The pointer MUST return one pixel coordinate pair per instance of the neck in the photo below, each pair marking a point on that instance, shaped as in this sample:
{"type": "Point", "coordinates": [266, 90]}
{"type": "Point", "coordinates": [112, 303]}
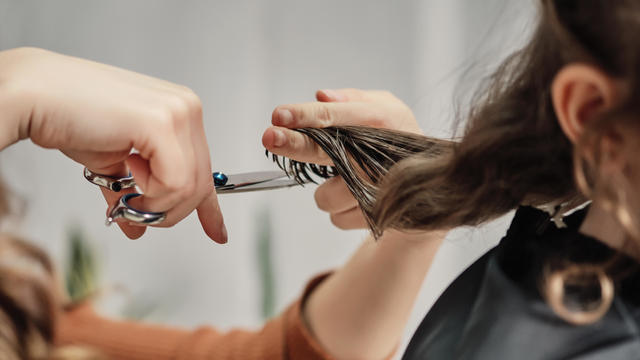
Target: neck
{"type": "Point", "coordinates": [603, 226]}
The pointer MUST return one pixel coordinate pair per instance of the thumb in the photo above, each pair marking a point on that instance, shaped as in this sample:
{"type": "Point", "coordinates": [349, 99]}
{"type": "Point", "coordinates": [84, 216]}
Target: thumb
{"type": "Point", "coordinates": [140, 170]}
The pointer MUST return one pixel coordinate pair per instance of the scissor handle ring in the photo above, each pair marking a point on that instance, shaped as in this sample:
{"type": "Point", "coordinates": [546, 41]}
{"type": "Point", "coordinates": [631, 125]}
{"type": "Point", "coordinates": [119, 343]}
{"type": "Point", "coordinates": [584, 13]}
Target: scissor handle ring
{"type": "Point", "coordinates": [126, 211]}
{"type": "Point", "coordinates": [110, 182]}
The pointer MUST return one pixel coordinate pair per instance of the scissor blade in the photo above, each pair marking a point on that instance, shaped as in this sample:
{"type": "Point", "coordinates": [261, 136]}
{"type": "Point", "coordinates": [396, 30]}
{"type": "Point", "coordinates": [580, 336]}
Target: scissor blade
{"type": "Point", "coordinates": [266, 185]}
{"type": "Point", "coordinates": [256, 177]}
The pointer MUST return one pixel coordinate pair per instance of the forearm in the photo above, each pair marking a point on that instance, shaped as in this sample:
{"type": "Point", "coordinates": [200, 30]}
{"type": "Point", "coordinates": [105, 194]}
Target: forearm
{"type": "Point", "coordinates": [14, 98]}
{"type": "Point", "coordinates": [284, 336]}
{"type": "Point", "coordinates": [360, 311]}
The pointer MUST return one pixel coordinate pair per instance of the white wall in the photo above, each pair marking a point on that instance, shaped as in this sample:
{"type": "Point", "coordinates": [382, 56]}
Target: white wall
{"type": "Point", "coordinates": [243, 58]}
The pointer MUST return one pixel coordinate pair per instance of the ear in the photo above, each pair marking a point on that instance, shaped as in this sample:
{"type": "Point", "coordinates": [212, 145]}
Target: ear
{"type": "Point", "coordinates": [579, 92]}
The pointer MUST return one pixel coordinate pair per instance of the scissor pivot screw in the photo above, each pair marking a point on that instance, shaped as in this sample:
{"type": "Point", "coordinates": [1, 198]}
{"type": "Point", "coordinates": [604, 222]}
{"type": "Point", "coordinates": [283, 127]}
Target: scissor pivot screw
{"type": "Point", "coordinates": [220, 179]}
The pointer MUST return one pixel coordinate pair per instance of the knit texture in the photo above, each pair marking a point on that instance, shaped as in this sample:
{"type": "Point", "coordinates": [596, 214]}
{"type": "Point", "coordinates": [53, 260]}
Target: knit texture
{"type": "Point", "coordinates": [283, 337]}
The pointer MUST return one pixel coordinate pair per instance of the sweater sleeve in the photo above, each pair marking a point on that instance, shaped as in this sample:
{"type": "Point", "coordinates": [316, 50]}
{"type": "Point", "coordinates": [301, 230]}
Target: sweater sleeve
{"type": "Point", "coordinates": [283, 337]}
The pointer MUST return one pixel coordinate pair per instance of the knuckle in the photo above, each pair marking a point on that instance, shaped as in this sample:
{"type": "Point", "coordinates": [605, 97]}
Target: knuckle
{"type": "Point", "coordinates": [162, 121]}
{"type": "Point", "coordinates": [178, 105]}
{"type": "Point", "coordinates": [177, 110]}
{"type": "Point", "coordinates": [193, 102]}
{"type": "Point", "coordinates": [324, 114]}
{"type": "Point", "coordinates": [295, 141]}
{"type": "Point", "coordinates": [174, 187]}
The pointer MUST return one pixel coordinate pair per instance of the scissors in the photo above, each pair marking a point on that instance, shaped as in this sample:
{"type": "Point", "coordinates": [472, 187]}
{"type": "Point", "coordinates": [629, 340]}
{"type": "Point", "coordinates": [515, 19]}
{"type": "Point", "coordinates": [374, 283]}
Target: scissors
{"type": "Point", "coordinates": [224, 184]}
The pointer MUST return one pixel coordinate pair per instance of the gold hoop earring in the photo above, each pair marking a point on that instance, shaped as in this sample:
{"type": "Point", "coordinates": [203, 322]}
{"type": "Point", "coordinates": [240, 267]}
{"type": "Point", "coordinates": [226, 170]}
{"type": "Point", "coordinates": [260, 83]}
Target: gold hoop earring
{"type": "Point", "coordinates": [555, 294]}
{"type": "Point", "coordinates": [613, 193]}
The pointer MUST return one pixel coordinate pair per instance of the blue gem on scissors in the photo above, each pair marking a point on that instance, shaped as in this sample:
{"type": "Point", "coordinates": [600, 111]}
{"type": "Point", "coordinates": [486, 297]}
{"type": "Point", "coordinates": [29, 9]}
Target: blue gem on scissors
{"type": "Point", "coordinates": [220, 179]}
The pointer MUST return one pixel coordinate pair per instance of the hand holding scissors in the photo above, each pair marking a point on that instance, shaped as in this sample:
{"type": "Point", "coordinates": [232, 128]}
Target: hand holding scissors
{"type": "Point", "coordinates": [96, 114]}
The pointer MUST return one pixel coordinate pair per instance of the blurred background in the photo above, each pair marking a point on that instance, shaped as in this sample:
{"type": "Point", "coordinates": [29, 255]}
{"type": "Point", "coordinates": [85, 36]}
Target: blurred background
{"type": "Point", "coordinates": [244, 58]}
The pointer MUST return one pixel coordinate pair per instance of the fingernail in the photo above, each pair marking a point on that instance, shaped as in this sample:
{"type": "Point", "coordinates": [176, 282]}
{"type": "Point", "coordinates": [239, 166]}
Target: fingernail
{"type": "Point", "coordinates": [279, 138]}
{"type": "Point", "coordinates": [285, 117]}
{"type": "Point", "coordinates": [333, 95]}
{"type": "Point", "coordinates": [225, 237]}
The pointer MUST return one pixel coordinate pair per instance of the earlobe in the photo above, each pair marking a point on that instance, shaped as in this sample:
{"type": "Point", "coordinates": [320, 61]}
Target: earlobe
{"type": "Point", "coordinates": [579, 92]}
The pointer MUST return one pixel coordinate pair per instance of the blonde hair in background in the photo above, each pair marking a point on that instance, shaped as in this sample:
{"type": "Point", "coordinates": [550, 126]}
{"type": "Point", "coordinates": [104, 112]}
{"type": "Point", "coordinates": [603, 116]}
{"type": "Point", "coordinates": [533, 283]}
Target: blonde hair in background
{"type": "Point", "coordinates": [30, 305]}
{"type": "Point", "coordinates": [31, 302]}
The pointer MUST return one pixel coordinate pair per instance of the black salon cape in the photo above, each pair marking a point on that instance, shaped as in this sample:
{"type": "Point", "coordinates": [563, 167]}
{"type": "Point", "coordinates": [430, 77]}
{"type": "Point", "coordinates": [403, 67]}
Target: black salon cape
{"type": "Point", "coordinates": [494, 310]}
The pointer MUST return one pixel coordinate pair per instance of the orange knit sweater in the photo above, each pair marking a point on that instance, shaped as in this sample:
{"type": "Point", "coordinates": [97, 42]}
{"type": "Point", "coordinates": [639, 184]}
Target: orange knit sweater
{"type": "Point", "coordinates": [283, 337]}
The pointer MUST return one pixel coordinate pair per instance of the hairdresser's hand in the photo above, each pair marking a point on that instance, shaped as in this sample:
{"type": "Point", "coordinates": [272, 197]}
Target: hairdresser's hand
{"type": "Point", "coordinates": [335, 108]}
{"type": "Point", "coordinates": [96, 114]}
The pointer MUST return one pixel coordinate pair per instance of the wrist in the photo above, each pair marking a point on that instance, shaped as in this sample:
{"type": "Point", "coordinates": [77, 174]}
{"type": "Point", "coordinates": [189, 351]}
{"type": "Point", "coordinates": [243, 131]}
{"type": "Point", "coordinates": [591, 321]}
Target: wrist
{"type": "Point", "coordinates": [408, 253]}
{"type": "Point", "coordinates": [16, 101]}
{"type": "Point", "coordinates": [410, 243]}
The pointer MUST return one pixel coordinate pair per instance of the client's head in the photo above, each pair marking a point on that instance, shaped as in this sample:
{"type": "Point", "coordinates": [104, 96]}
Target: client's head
{"type": "Point", "coordinates": [557, 123]}
{"type": "Point", "coordinates": [565, 104]}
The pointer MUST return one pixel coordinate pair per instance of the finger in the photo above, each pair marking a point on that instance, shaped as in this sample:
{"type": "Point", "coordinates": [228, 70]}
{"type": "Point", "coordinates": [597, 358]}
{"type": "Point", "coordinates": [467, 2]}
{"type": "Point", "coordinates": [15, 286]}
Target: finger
{"type": "Point", "coordinates": [139, 168]}
{"type": "Point", "coordinates": [322, 114]}
{"type": "Point", "coordinates": [141, 171]}
{"type": "Point", "coordinates": [209, 212]}
{"type": "Point", "coordinates": [132, 232]}
{"type": "Point", "coordinates": [349, 220]}
{"type": "Point", "coordinates": [328, 95]}
{"type": "Point", "coordinates": [199, 183]}
{"type": "Point", "coordinates": [333, 196]}
{"type": "Point", "coordinates": [167, 168]}
{"type": "Point", "coordinates": [350, 94]}
{"type": "Point", "coordinates": [169, 174]}
{"type": "Point", "coordinates": [294, 145]}
{"type": "Point", "coordinates": [204, 198]}
{"type": "Point", "coordinates": [101, 162]}
{"type": "Point", "coordinates": [211, 219]}
{"type": "Point", "coordinates": [177, 204]}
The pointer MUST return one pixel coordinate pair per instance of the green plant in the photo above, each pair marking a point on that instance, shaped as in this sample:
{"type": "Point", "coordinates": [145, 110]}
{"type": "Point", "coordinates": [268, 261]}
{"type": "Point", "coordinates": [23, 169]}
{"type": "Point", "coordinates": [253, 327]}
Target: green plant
{"type": "Point", "coordinates": [81, 270]}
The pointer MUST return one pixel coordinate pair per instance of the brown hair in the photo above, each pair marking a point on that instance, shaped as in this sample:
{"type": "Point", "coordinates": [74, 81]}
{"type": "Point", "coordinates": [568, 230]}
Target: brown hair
{"type": "Point", "coordinates": [513, 150]}
{"type": "Point", "coordinates": [363, 157]}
